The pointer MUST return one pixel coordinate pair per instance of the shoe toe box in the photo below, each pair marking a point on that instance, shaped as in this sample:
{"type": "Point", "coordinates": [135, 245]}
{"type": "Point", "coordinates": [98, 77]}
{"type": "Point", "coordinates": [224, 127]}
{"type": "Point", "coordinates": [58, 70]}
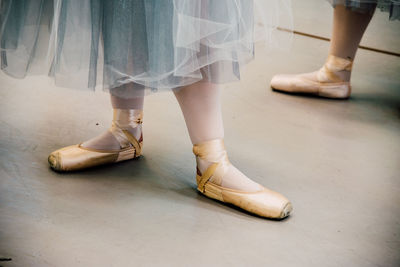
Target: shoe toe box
{"type": "Point", "coordinates": [54, 161]}
{"type": "Point", "coordinates": [265, 203]}
{"type": "Point", "coordinates": [282, 82]}
{"type": "Point", "coordinates": [287, 210]}
{"type": "Point", "coordinates": [63, 159]}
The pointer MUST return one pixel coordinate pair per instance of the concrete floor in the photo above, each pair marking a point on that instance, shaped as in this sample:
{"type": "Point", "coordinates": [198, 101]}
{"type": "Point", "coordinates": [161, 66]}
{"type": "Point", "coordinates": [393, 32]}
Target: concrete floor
{"type": "Point", "coordinates": [338, 161]}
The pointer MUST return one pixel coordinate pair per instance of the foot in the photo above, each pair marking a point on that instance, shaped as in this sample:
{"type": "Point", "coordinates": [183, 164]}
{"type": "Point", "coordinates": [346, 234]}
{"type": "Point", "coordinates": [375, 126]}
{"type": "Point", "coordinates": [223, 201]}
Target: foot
{"type": "Point", "coordinates": [220, 180]}
{"type": "Point", "coordinates": [123, 141]}
{"type": "Point", "coordinates": [332, 80]}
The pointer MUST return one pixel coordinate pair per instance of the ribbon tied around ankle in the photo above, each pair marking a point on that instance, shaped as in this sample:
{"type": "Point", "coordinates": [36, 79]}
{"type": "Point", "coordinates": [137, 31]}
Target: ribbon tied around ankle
{"type": "Point", "coordinates": [328, 73]}
{"type": "Point", "coordinates": [214, 152]}
{"type": "Point", "coordinates": [124, 119]}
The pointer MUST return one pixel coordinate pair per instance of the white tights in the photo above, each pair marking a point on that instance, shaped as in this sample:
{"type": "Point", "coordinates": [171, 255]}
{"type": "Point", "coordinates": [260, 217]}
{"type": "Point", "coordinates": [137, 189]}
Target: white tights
{"type": "Point", "coordinates": [201, 107]}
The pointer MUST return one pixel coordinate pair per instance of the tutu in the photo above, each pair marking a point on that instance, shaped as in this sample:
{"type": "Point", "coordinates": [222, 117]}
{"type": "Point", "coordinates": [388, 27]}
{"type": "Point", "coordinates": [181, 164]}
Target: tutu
{"type": "Point", "coordinates": [391, 6]}
{"type": "Point", "coordinates": [132, 45]}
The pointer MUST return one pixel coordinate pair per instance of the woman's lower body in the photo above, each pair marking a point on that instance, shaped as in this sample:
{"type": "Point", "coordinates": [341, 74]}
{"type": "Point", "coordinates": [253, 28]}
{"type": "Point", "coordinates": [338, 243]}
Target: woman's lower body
{"type": "Point", "coordinates": [350, 20]}
{"type": "Point", "coordinates": [186, 46]}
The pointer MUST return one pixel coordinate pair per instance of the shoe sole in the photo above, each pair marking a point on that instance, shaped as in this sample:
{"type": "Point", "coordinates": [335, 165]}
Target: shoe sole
{"type": "Point", "coordinates": [341, 91]}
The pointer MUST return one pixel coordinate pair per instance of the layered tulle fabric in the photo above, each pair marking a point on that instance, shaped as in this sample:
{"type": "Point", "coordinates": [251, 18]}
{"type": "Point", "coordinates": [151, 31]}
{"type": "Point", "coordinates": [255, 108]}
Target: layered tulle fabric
{"type": "Point", "coordinates": [368, 6]}
{"type": "Point", "coordinates": [129, 45]}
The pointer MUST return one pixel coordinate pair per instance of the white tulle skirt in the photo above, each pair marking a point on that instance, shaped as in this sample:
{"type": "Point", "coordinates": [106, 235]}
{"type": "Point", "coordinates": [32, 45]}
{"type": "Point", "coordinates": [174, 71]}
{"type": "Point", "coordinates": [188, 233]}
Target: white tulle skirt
{"type": "Point", "coordinates": [129, 46]}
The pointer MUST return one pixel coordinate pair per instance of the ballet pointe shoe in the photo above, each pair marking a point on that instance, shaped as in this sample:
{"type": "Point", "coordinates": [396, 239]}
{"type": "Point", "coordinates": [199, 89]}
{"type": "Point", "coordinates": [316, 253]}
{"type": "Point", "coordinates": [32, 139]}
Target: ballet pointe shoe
{"type": "Point", "coordinates": [77, 157]}
{"type": "Point", "coordinates": [328, 84]}
{"type": "Point", "coordinates": [263, 202]}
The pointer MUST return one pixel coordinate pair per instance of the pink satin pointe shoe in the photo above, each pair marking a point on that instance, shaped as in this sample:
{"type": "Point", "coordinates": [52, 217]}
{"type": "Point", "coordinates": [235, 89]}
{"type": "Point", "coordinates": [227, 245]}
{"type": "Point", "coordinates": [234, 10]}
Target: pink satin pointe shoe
{"type": "Point", "coordinates": [263, 202]}
{"type": "Point", "coordinates": [327, 83]}
{"type": "Point", "coordinates": [77, 157]}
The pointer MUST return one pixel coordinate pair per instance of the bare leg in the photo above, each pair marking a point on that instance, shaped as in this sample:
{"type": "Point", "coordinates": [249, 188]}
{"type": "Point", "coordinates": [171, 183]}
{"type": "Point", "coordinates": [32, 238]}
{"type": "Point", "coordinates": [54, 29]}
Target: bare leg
{"type": "Point", "coordinates": [348, 29]}
{"type": "Point", "coordinates": [106, 140]}
{"type": "Point", "coordinates": [201, 108]}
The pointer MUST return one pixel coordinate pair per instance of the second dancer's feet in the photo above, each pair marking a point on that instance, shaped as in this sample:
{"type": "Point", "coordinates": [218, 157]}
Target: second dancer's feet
{"type": "Point", "coordinates": [331, 81]}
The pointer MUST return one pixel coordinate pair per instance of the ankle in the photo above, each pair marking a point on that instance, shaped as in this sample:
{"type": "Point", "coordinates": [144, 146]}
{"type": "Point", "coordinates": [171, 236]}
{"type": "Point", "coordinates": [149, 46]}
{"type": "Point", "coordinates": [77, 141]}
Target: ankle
{"type": "Point", "coordinates": [127, 120]}
{"type": "Point", "coordinates": [335, 69]}
{"type": "Point", "coordinates": [213, 165]}
{"type": "Point", "coordinates": [125, 124]}
{"type": "Point", "coordinates": [212, 162]}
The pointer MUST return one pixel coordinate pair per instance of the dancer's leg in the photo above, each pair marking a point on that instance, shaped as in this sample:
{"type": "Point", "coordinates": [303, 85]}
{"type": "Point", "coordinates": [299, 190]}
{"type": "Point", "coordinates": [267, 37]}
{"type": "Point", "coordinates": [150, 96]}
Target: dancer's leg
{"type": "Point", "coordinates": [348, 29]}
{"type": "Point", "coordinates": [201, 108]}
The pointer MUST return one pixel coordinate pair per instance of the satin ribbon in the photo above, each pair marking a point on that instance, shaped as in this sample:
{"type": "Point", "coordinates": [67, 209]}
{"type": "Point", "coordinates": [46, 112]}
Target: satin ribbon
{"type": "Point", "coordinates": [333, 65]}
{"type": "Point", "coordinates": [124, 119]}
{"type": "Point", "coordinates": [214, 152]}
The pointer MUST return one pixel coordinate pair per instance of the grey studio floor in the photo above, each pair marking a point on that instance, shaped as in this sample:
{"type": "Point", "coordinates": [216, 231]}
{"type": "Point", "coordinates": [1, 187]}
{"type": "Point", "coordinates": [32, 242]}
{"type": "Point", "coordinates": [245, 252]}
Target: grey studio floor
{"type": "Point", "coordinates": [338, 162]}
